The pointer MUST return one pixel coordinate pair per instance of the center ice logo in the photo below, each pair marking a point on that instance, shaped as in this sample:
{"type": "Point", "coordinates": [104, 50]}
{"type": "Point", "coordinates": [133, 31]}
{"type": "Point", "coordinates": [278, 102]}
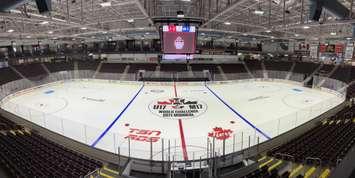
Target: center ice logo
{"type": "Point", "coordinates": [177, 108]}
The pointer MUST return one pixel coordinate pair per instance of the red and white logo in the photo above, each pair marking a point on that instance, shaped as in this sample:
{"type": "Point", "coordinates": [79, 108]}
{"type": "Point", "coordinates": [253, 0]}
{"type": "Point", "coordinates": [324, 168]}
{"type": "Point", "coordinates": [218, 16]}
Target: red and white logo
{"type": "Point", "coordinates": [143, 135]}
{"type": "Point", "coordinates": [179, 43]}
{"type": "Point", "coordinates": [177, 108]}
{"type": "Point", "coordinates": [220, 134]}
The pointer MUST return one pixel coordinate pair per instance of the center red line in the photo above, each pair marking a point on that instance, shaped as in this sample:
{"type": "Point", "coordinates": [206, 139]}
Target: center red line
{"type": "Point", "coordinates": [175, 92]}
{"type": "Point", "coordinates": [182, 135]}
{"type": "Point", "coordinates": [183, 143]}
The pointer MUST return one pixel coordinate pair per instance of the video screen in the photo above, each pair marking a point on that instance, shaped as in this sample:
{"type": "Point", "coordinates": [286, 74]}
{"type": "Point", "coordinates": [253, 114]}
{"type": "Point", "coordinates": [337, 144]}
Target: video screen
{"type": "Point", "coordinates": [179, 39]}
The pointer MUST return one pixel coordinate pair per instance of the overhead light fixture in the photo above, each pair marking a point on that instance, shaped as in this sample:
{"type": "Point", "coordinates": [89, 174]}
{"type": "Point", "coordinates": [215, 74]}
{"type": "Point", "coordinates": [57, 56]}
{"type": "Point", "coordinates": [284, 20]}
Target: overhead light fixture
{"type": "Point", "coordinates": [50, 32]}
{"type": "Point", "coordinates": [104, 32]}
{"type": "Point", "coordinates": [140, 28]}
{"type": "Point", "coordinates": [44, 23]}
{"type": "Point", "coordinates": [348, 38]}
{"type": "Point", "coordinates": [227, 23]}
{"type": "Point", "coordinates": [83, 28]}
{"type": "Point", "coordinates": [147, 33]}
{"type": "Point", "coordinates": [272, 37]}
{"type": "Point", "coordinates": [28, 36]}
{"type": "Point", "coordinates": [130, 20]}
{"type": "Point", "coordinates": [11, 30]}
{"type": "Point", "coordinates": [333, 33]}
{"type": "Point", "coordinates": [203, 34]}
{"type": "Point", "coordinates": [258, 12]}
{"type": "Point", "coordinates": [105, 4]}
{"type": "Point", "coordinates": [296, 35]}
{"type": "Point", "coordinates": [306, 27]}
{"type": "Point", "coordinates": [244, 34]}
{"type": "Point", "coordinates": [268, 31]}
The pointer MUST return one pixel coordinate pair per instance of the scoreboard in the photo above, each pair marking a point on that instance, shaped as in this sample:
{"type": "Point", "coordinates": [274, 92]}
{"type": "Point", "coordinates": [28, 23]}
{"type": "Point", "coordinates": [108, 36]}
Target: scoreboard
{"type": "Point", "coordinates": [178, 39]}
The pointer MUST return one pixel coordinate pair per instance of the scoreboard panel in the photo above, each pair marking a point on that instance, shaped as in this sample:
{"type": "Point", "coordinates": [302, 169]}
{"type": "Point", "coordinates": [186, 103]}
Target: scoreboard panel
{"type": "Point", "coordinates": [179, 39]}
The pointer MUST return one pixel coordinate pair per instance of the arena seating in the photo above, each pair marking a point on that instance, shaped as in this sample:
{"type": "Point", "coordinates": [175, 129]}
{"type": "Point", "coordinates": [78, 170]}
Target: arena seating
{"type": "Point", "coordinates": [305, 67]}
{"type": "Point", "coordinates": [33, 70]}
{"type": "Point", "coordinates": [7, 75]}
{"type": "Point", "coordinates": [59, 66]}
{"type": "Point", "coordinates": [200, 67]}
{"type": "Point", "coordinates": [113, 67]}
{"type": "Point", "coordinates": [88, 65]}
{"type": "Point", "coordinates": [278, 65]}
{"type": "Point", "coordinates": [262, 173]}
{"type": "Point", "coordinates": [329, 141]}
{"type": "Point", "coordinates": [253, 64]}
{"type": "Point", "coordinates": [233, 68]}
{"type": "Point", "coordinates": [268, 167]}
{"type": "Point", "coordinates": [326, 69]}
{"type": "Point", "coordinates": [343, 73]}
{"type": "Point", "coordinates": [26, 154]}
{"type": "Point", "coordinates": [6, 124]}
{"type": "Point", "coordinates": [351, 91]}
{"type": "Point", "coordinates": [173, 67]}
{"type": "Point", "coordinates": [134, 67]}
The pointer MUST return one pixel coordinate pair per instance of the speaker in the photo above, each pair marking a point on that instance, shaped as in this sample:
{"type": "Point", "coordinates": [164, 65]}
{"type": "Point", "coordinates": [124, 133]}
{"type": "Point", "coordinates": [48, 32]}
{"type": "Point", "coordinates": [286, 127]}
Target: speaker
{"type": "Point", "coordinates": [44, 5]}
{"type": "Point", "coordinates": [316, 8]}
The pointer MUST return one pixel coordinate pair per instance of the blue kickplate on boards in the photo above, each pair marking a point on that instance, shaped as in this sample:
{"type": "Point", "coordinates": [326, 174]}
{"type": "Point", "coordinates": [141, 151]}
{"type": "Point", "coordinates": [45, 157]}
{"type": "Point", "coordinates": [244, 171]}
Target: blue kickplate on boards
{"type": "Point", "coordinates": [49, 92]}
{"type": "Point", "coordinates": [298, 90]}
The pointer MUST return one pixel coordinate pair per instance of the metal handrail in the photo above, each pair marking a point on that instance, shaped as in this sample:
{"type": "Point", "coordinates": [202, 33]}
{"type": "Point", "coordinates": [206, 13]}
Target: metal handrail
{"type": "Point", "coordinates": [92, 173]}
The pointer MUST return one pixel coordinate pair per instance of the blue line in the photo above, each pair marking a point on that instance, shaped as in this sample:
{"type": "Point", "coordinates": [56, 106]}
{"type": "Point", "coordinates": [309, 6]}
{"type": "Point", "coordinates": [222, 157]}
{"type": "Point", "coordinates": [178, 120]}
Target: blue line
{"type": "Point", "coordinates": [244, 119]}
{"type": "Point", "coordinates": [116, 119]}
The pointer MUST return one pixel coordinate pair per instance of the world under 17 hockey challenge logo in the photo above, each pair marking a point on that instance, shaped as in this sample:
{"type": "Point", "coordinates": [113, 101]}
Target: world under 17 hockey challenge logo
{"type": "Point", "coordinates": [177, 108]}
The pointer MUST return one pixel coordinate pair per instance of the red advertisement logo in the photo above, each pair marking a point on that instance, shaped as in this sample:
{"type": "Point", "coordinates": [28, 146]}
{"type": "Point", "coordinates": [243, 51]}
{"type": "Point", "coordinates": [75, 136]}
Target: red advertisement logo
{"type": "Point", "coordinates": [220, 134]}
{"type": "Point", "coordinates": [143, 135]}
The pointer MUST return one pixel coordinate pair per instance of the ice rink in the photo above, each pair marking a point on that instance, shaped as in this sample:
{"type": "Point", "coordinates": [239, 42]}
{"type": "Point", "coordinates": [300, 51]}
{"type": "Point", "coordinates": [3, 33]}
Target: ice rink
{"type": "Point", "coordinates": [175, 120]}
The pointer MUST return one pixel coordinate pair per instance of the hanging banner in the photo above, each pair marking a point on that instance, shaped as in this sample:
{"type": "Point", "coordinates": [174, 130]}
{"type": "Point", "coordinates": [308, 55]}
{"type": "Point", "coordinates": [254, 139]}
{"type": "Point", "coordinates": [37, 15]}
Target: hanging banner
{"type": "Point", "coordinates": [349, 51]}
{"type": "Point", "coordinates": [322, 48]}
{"type": "Point", "coordinates": [314, 51]}
{"type": "Point", "coordinates": [339, 48]}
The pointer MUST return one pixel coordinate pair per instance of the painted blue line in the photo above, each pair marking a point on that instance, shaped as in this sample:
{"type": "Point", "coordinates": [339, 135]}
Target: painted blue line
{"type": "Point", "coordinates": [116, 119]}
{"type": "Point", "coordinates": [235, 112]}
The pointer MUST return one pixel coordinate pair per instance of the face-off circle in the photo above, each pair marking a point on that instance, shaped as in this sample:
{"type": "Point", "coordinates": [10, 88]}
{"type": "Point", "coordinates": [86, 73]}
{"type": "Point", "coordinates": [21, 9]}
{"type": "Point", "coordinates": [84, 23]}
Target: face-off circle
{"type": "Point", "coordinates": [177, 108]}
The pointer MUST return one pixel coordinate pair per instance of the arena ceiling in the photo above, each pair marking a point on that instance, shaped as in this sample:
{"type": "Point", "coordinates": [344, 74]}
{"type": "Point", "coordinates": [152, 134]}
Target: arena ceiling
{"type": "Point", "coordinates": [94, 20]}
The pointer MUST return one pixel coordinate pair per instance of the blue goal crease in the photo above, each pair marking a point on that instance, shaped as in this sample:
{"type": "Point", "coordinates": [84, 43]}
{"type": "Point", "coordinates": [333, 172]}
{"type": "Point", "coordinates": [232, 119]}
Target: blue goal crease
{"type": "Point", "coordinates": [116, 119]}
{"type": "Point", "coordinates": [235, 112]}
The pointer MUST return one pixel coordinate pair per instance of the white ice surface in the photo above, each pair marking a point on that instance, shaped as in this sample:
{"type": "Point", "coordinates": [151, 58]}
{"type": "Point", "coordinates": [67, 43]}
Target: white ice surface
{"type": "Point", "coordinates": [82, 110]}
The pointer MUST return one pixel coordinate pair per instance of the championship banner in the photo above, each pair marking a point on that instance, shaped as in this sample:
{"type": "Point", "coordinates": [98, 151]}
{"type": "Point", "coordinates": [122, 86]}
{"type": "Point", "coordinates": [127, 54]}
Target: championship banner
{"type": "Point", "coordinates": [339, 48]}
{"type": "Point", "coordinates": [314, 51]}
{"type": "Point", "coordinates": [349, 51]}
{"type": "Point", "coordinates": [322, 48]}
